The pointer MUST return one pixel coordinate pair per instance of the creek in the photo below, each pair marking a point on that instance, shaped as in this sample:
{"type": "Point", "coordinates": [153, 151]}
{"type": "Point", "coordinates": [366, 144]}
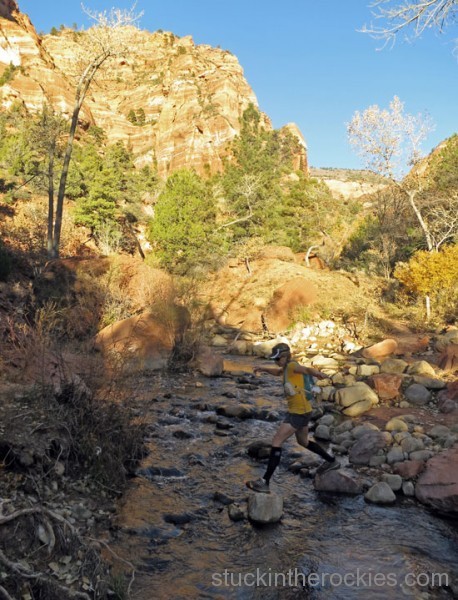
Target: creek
{"type": "Point", "coordinates": [174, 527]}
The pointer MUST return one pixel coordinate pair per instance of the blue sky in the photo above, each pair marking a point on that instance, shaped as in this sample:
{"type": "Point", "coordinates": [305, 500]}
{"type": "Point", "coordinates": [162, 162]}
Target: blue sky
{"type": "Point", "coordinates": [304, 59]}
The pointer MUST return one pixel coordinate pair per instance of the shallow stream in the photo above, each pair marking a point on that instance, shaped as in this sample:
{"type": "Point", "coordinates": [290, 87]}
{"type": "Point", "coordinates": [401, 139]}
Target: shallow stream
{"type": "Point", "coordinates": [175, 529]}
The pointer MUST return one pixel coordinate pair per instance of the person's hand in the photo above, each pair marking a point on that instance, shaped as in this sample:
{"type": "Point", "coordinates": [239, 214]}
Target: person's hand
{"type": "Point", "coordinates": [319, 375]}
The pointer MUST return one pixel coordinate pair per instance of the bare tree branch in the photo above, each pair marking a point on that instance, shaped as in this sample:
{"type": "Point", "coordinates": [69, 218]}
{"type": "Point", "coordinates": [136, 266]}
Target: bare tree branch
{"type": "Point", "coordinates": [418, 15]}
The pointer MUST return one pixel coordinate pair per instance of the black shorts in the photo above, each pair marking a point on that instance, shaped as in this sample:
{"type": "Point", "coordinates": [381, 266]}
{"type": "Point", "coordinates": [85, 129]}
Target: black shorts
{"type": "Point", "coordinates": [298, 421]}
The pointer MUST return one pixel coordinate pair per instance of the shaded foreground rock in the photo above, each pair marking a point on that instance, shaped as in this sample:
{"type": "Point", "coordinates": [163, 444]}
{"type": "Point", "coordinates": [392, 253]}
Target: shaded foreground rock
{"type": "Point", "coordinates": [438, 485]}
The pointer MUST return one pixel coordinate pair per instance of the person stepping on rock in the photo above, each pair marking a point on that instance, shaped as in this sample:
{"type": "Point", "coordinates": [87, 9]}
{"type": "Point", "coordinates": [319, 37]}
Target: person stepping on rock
{"type": "Point", "coordinates": [299, 413]}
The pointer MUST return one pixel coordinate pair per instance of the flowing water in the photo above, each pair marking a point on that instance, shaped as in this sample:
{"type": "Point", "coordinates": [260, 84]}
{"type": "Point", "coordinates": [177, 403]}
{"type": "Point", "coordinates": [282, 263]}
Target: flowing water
{"type": "Point", "coordinates": [175, 529]}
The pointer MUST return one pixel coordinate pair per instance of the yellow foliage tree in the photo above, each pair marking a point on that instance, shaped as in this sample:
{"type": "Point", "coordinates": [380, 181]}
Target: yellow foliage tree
{"type": "Point", "coordinates": [432, 274]}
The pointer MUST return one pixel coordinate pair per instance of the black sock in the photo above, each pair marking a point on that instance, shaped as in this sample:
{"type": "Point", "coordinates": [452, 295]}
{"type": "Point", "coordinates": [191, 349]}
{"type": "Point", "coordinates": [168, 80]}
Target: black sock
{"type": "Point", "coordinates": [317, 449]}
{"type": "Point", "coordinates": [274, 460]}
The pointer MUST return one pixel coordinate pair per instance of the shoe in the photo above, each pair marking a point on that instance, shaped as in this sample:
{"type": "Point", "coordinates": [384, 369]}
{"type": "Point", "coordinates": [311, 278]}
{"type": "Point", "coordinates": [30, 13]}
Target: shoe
{"type": "Point", "coordinates": [258, 485]}
{"type": "Point", "coordinates": [328, 466]}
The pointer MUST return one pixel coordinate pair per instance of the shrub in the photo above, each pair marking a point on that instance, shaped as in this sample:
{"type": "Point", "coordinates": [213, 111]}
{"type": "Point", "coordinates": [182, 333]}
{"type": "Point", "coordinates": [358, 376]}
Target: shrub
{"type": "Point", "coordinates": [433, 274]}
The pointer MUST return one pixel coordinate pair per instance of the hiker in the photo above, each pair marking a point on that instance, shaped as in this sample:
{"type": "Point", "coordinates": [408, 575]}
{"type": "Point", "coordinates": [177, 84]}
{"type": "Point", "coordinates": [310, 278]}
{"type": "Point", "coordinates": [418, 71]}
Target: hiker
{"type": "Point", "coordinates": [298, 416]}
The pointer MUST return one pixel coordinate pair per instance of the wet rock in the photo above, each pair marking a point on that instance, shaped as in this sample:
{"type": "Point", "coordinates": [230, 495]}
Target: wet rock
{"type": "Point", "coordinates": [380, 493]}
{"type": "Point", "coordinates": [222, 498]}
{"type": "Point", "coordinates": [237, 411]}
{"type": "Point", "coordinates": [338, 482]}
{"type": "Point", "coordinates": [265, 508]}
{"type": "Point", "coordinates": [437, 486]}
{"type": "Point", "coordinates": [160, 472]}
{"type": "Point", "coordinates": [178, 519]}
{"type": "Point", "coordinates": [259, 449]}
{"type": "Point", "coordinates": [236, 512]}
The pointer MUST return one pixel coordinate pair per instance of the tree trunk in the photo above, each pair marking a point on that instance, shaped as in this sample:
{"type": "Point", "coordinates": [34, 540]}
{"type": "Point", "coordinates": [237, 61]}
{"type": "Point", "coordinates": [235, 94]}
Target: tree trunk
{"type": "Point", "coordinates": [81, 90]}
{"type": "Point", "coordinates": [50, 202]}
{"type": "Point", "coordinates": [428, 308]}
{"type": "Point", "coordinates": [429, 242]}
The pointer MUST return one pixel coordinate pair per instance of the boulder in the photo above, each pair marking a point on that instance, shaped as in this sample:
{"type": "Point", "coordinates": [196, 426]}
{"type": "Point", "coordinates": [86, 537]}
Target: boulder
{"type": "Point", "coordinates": [358, 408]}
{"type": "Point", "coordinates": [393, 365]}
{"type": "Point", "coordinates": [337, 482]}
{"type": "Point", "coordinates": [421, 367]}
{"type": "Point", "coordinates": [386, 385]}
{"type": "Point", "coordinates": [208, 362]}
{"type": "Point", "coordinates": [417, 394]}
{"type": "Point", "coordinates": [367, 446]}
{"type": "Point", "coordinates": [381, 349]}
{"type": "Point", "coordinates": [265, 508]}
{"type": "Point", "coordinates": [140, 342]}
{"type": "Point", "coordinates": [437, 486]}
{"type": "Point", "coordinates": [355, 393]}
{"type": "Point", "coordinates": [380, 493]}
{"type": "Point", "coordinates": [286, 300]}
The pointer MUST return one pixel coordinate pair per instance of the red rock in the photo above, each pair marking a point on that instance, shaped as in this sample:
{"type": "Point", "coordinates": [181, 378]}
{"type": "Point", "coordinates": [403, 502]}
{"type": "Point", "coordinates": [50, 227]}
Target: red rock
{"type": "Point", "coordinates": [386, 385]}
{"type": "Point", "coordinates": [438, 485]}
{"type": "Point", "coordinates": [409, 468]}
{"type": "Point", "coordinates": [448, 360]}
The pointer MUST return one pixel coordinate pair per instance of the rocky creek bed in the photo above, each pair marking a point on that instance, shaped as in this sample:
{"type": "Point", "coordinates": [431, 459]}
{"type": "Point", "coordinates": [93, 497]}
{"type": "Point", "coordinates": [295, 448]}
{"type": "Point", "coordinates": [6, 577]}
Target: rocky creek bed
{"type": "Point", "coordinates": [191, 529]}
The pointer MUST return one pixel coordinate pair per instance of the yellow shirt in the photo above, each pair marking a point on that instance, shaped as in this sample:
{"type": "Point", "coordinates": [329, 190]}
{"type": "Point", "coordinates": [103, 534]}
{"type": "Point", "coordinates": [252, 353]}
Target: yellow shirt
{"type": "Point", "coordinates": [297, 404]}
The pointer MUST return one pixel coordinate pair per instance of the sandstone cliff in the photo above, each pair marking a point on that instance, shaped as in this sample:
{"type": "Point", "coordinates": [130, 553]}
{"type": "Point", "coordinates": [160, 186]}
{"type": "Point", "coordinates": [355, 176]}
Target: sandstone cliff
{"type": "Point", "coordinates": [188, 98]}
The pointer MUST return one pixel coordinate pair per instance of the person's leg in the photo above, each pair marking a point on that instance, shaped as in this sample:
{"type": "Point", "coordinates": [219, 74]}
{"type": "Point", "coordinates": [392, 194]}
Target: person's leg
{"type": "Point", "coordinates": [302, 438]}
{"type": "Point", "coordinates": [283, 433]}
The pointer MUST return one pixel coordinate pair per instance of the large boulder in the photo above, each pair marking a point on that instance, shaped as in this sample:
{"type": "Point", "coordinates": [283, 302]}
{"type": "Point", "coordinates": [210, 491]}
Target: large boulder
{"type": "Point", "coordinates": [294, 294]}
{"type": "Point", "coordinates": [208, 362]}
{"type": "Point", "coordinates": [360, 395]}
{"type": "Point", "coordinates": [143, 341]}
{"type": "Point", "coordinates": [437, 486]}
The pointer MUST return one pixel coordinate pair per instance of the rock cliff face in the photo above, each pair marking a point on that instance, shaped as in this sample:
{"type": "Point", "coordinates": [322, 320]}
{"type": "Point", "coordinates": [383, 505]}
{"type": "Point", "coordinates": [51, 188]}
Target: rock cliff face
{"type": "Point", "coordinates": [176, 104]}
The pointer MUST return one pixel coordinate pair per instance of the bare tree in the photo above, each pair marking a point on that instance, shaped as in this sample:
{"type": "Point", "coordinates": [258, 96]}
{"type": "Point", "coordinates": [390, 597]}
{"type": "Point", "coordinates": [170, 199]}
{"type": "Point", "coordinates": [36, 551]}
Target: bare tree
{"type": "Point", "coordinates": [389, 142]}
{"type": "Point", "coordinates": [107, 39]}
{"type": "Point", "coordinates": [396, 16]}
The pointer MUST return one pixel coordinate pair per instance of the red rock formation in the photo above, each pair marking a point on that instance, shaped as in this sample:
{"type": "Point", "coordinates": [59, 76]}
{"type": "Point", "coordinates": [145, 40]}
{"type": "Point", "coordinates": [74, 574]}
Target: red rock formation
{"type": "Point", "coordinates": [190, 97]}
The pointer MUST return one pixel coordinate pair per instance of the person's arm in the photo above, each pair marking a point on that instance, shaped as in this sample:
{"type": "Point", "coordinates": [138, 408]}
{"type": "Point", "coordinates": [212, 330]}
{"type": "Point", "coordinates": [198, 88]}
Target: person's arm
{"type": "Point", "coordinates": [271, 370]}
{"type": "Point", "coordinates": [309, 371]}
